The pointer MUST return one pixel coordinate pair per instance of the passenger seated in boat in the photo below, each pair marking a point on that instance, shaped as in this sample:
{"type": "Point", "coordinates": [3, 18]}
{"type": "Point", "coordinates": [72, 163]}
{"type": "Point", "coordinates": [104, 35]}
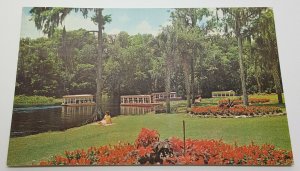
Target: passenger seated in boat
{"type": "Point", "coordinates": [107, 119]}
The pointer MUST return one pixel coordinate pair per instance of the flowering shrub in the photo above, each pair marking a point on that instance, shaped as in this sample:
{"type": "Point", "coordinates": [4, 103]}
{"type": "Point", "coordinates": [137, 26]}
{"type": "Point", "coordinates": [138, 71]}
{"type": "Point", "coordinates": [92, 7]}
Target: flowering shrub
{"type": "Point", "coordinates": [147, 137]}
{"type": "Point", "coordinates": [211, 152]}
{"type": "Point", "coordinates": [236, 110]}
{"type": "Point", "coordinates": [171, 152]}
{"type": "Point", "coordinates": [240, 101]}
{"type": "Point", "coordinates": [121, 154]}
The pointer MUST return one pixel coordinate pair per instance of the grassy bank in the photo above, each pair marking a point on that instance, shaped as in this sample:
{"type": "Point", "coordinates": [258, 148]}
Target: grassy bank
{"type": "Point", "coordinates": [273, 130]}
{"type": "Point", "coordinates": [23, 101]}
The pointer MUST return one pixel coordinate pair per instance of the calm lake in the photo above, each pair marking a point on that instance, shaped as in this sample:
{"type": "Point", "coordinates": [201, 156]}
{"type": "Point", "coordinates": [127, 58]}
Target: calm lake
{"type": "Point", "coordinates": [38, 119]}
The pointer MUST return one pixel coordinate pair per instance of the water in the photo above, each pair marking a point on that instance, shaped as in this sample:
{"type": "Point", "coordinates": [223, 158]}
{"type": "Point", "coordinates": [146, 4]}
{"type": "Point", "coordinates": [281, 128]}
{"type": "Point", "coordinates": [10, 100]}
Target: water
{"type": "Point", "coordinates": [38, 119]}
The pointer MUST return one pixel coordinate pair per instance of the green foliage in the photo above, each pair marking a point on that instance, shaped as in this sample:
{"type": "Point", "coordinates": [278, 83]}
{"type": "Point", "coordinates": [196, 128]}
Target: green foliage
{"type": "Point", "coordinates": [66, 62]}
{"type": "Point", "coordinates": [42, 70]}
{"type": "Point", "coordinates": [22, 100]}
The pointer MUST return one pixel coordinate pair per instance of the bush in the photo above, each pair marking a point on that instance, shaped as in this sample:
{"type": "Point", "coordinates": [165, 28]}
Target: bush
{"type": "Point", "coordinates": [236, 110]}
{"type": "Point", "coordinates": [149, 150]}
{"type": "Point", "coordinates": [146, 138]}
{"type": "Point", "coordinates": [212, 152]}
{"type": "Point", "coordinates": [240, 101]}
{"type": "Point", "coordinates": [35, 100]}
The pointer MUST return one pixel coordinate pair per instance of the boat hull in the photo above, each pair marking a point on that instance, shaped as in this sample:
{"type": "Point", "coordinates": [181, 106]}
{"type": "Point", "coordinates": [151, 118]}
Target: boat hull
{"type": "Point", "coordinates": [82, 104]}
{"type": "Point", "coordinates": [141, 104]}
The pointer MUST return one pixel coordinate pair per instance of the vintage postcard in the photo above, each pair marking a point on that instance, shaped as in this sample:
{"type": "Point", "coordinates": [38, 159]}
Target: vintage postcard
{"type": "Point", "coordinates": [148, 86]}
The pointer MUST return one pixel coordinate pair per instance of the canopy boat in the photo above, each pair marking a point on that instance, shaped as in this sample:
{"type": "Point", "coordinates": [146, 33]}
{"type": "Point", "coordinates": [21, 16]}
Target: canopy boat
{"type": "Point", "coordinates": [78, 100]}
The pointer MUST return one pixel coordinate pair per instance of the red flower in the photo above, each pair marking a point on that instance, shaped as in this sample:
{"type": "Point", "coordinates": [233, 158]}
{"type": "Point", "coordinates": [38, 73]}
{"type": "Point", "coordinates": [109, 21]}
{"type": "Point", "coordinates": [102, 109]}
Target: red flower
{"type": "Point", "coordinates": [142, 151]}
{"type": "Point", "coordinates": [147, 137]}
{"type": "Point", "coordinates": [197, 152]}
{"type": "Point", "coordinates": [44, 163]}
{"type": "Point", "coordinates": [236, 110]}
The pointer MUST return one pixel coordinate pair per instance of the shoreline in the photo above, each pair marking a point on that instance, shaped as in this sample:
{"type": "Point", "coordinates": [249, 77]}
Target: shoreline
{"type": "Point", "coordinates": [95, 123]}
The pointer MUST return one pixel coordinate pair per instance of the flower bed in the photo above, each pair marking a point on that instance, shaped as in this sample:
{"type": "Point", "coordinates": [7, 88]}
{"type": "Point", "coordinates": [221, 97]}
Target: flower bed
{"type": "Point", "coordinates": [240, 101]}
{"type": "Point", "coordinates": [148, 150]}
{"type": "Point", "coordinates": [248, 111]}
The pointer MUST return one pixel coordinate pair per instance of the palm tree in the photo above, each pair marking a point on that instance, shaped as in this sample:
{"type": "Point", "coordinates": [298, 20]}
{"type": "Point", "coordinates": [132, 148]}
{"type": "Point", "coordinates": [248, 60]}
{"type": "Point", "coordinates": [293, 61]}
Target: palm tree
{"type": "Point", "coordinates": [167, 43]}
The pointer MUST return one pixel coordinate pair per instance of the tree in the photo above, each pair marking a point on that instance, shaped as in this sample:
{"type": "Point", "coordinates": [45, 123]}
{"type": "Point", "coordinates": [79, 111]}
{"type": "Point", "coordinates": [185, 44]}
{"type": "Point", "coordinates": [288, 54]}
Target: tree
{"type": "Point", "coordinates": [266, 37]}
{"type": "Point", "coordinates": [100, 20]}
{"type": "Point", "coordinates": [189, 41]}
{"type": "Point", "coordinates": [240, 20]}
{"type": "Point", "coordinates": [192, 55]}
{"type": "Point", "coordinates": [48, 19]}
{"type": "Point", "coordinates": [168, 44]}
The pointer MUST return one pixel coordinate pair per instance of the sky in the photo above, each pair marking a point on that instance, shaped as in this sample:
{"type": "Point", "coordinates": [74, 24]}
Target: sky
{"type": "Point", "coordinates": [133, 21]}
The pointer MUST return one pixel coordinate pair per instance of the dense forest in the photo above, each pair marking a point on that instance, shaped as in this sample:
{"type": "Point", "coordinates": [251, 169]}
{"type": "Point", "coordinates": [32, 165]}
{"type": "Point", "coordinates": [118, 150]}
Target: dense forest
{"type": "Point", "coordinates": [200, 51]}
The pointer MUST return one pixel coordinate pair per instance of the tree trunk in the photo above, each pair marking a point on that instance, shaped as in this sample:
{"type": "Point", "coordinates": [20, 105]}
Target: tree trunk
{"type": "Point", "coordinates": [186, 71]}
{"type": "Point", "coordinates": [155, 84]}
{"type": "Point", "coordinates": [99, 80]}
{"type": "Point", "coordinates": [258, 82]}
{"type": "Point", "coordinates": [242, 73]}
{"type": "Point", "coordinates": [193, 78]}
{"type": "Point", "coordinates": [256, 71]}
{"type": "Point", "coordinates": [168, 85]}
{"type": "Point", "coordinates": [199, 91]}
{"type": "Point", "coordinates": [277, 81]}
{"type": "Point", "coordinates": [240, 46]}
{"type": "Point", "coordinates": [275, 68]}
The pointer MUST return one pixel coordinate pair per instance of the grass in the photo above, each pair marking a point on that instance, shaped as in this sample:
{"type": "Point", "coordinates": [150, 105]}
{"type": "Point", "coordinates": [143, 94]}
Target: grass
{"type": "Point", "coordinates": [24, 101]}
{"type": "Point", "coordinates": [271, 130]}
{"type": "Point", "coordinates": [31, 149]}
{"type": "Point", "coordinates": [180, 106]}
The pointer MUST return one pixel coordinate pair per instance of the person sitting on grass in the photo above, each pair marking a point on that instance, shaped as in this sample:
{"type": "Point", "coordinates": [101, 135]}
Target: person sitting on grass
{"type": "Point", "coordinates": [107, 119]}
{"type": "Point", "coordinates": [198, 99]}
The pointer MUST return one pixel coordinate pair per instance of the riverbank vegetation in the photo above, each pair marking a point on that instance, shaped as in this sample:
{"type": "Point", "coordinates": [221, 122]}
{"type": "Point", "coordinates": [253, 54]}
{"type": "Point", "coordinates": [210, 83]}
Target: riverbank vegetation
{"type": "Point", "coordinates": [23, 101]}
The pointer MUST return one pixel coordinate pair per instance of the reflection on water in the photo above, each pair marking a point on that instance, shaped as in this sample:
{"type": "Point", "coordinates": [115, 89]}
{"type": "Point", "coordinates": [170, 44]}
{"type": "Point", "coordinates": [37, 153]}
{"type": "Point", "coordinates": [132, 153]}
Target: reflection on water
{"type": "Point", "coordinates": [134, 110]}
{"type": "Point", "coordinates": [73, 111]}
{"type": "Point", "coordinates": [34, 120]}
{"type": "Point", "coordinates": [82, 114]}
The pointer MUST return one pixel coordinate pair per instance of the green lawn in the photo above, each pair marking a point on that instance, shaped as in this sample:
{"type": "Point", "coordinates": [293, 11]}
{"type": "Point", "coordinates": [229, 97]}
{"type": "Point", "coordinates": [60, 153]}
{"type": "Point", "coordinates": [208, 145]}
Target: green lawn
{"type": "Point", "coordinates": [274, 130]}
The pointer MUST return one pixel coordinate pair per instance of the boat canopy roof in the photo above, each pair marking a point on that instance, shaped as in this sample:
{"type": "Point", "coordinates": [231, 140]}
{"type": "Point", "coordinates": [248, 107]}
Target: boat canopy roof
{"type": "Point", "coordinates": [78, 96]}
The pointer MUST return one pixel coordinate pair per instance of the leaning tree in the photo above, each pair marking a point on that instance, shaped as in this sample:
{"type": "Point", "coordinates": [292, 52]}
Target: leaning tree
{"type": "Point", "coordinates": [267, 46]}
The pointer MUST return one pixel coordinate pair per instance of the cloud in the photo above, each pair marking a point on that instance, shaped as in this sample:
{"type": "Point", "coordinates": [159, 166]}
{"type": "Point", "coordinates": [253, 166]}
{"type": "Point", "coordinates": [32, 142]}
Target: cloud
{"type": "Point", "coordinates": [113, 31]}
{"type": "Point", "coordinates": [28, 28]}
{"type": "Point", "coordinates": [76, 21]}
{"type": "Point", "coordinates": [167, 23]}
{"type": "Point", "coordinates": [144, 27]}
{"type": "Point", "coordinates": [123, 19]}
